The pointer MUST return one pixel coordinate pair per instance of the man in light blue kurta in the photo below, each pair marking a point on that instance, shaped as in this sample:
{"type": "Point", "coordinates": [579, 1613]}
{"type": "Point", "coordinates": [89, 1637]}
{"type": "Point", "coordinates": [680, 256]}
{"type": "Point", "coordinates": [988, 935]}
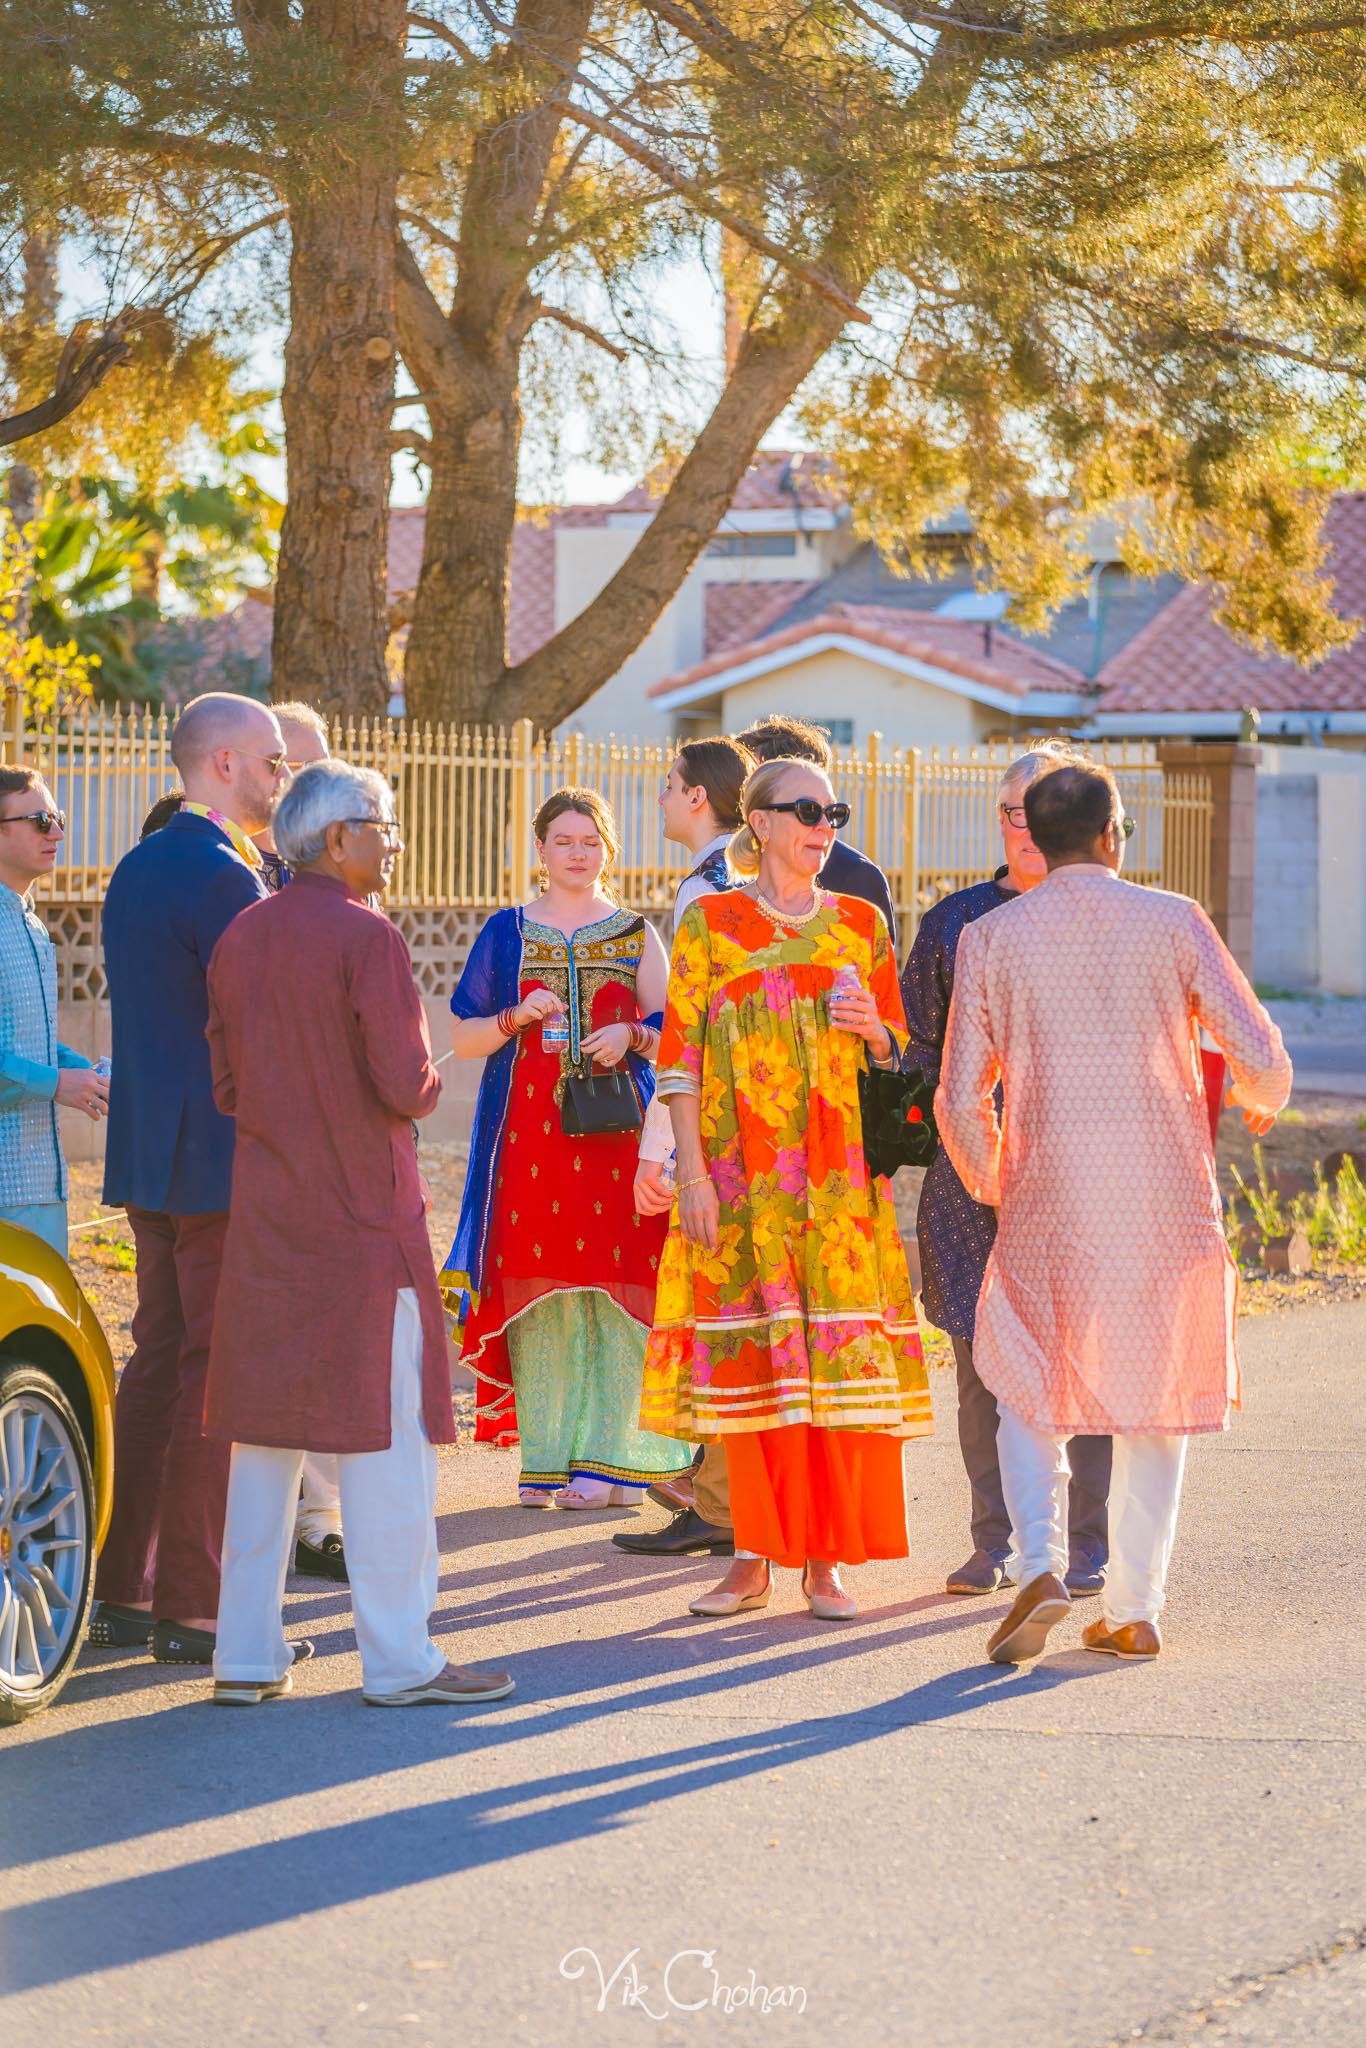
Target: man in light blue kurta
{"type": "Point", "coordinates": [36, 1070]}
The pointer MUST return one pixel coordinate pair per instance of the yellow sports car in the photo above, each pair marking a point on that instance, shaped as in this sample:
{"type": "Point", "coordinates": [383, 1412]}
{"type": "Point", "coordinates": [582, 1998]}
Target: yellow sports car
{"type": "Point", "coordinates": [56, 1468]}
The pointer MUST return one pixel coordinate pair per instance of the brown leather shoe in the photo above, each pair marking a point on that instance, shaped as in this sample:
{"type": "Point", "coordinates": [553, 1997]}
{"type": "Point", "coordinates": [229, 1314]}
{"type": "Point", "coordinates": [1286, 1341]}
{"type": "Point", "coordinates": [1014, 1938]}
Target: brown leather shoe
{"type": "Point", "coordinates": [1135, 1639]}
{"type": "Point", "coordinates": [1024, 1631]}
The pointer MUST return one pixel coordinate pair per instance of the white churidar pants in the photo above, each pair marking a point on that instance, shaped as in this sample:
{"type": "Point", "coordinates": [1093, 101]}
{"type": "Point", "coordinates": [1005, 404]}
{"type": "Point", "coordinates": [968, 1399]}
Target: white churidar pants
{"type": "Point", "coordinates": [388, 1499]}
{"type": "Point", "coordinates": [319, 1499]}
{"type": "Point", "coordinates": [1145, 1492]}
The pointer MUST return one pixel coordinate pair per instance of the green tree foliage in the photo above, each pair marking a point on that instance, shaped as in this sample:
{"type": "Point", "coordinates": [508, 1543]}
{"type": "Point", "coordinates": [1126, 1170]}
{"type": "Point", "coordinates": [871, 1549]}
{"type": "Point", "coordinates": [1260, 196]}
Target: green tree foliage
{"type": "Point", "coordinates": [1041, 259]}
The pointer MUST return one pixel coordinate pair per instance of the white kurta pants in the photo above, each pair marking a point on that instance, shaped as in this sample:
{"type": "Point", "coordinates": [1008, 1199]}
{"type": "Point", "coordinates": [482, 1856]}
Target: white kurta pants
{"type": "Point", "coordinates": [1145, 1492]}
{"type": "Point", "coordinates": [388, 1499]}
{"type": "Point", "coordinates": [319, 1499]}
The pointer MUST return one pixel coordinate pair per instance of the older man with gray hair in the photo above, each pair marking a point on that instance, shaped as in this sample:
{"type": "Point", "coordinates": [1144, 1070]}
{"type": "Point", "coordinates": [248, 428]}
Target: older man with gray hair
{"type": "Point", "coordinates": [330, 1334]}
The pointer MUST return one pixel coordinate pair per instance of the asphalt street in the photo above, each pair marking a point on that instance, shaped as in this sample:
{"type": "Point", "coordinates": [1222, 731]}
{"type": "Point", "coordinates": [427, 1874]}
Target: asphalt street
{"type": "Point", "coordinates": [770, 1829]}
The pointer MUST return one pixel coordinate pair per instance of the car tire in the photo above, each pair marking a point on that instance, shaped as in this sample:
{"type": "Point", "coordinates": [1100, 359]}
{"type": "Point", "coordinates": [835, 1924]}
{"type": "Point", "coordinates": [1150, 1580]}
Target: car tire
{"type": "Point", "coordinates": [47, 1539]}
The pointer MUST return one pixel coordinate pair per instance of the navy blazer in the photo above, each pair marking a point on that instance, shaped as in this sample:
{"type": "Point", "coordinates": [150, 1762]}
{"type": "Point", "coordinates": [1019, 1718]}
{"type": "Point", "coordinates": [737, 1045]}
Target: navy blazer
{"type": "Point", "coordinates": [850, 873]}
{"type": "Point", "coordinates": [168, 902]}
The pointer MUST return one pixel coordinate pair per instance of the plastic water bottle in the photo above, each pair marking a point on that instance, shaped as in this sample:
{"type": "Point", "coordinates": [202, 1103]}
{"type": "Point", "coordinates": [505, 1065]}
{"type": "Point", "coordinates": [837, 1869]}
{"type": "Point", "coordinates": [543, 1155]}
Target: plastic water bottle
{"type": "Point", "coordinates": [847, 982]}
{"type": "Point", "coordinates": [104, 1067]}
{"type": "Point", "coordinates": [555, 1032]}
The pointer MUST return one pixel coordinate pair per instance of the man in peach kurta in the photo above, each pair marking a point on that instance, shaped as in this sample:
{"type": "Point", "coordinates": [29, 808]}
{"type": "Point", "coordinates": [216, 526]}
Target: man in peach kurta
{"type": "Point", "coordinates": [1109, 1300]}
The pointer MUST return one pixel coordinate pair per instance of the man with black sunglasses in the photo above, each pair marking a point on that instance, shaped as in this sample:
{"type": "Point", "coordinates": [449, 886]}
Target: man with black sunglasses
{"type": "Point", "coordinates": [37, 1072]}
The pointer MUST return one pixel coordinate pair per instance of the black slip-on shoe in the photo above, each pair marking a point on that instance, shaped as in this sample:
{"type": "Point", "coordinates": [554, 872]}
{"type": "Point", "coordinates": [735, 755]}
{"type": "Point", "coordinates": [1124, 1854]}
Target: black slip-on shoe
{"type": "Point", "coordinates": [172, 1644]}
{"type": "Point", "coordinates": [325, 1560]}
{"type": "Point", "coordinates": [687, 1532]}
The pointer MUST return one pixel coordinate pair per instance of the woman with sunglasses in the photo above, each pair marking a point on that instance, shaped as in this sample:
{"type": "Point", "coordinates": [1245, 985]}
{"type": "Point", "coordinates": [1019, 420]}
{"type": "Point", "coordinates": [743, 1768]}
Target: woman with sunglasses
{"type": "Point", "coordinates": [784, 1322]}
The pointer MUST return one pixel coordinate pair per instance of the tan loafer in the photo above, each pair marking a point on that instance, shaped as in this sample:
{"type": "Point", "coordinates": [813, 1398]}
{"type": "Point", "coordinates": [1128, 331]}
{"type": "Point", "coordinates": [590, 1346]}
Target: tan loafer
{"type": "Point", "coordinates": [456, 1686]}
{"type": "Point", "coordinates": [1136, 1640]}
{"type": "Point", "coordinates": [717, 1604]}
{"type": "Point", "coordinates": [1024, 1631]}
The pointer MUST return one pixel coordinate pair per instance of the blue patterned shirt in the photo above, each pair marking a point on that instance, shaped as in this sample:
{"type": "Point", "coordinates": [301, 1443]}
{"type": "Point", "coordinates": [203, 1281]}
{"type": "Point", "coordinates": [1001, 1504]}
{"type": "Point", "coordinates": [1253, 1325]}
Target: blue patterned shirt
{"type": "Point", "coordinates": [32, 1168]}
{"type": "Point", "coordinates": [956, 1234]}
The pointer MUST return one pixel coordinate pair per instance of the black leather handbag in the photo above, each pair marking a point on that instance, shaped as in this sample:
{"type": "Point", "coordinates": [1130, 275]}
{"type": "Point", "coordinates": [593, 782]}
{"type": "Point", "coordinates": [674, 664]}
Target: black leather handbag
{"type": "Point", "coordinates": [898, 1118]}
{"type": "Point", "coordinates": [599, 1105]}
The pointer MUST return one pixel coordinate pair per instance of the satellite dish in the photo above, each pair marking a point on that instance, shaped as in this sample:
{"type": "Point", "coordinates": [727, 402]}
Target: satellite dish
{"type": "Point", "coordinates": [980, 607]}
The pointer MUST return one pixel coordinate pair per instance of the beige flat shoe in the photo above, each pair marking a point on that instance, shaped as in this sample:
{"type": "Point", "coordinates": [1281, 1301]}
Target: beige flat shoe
{"type": "Point", "coordinates": [717, 1604]}
{"type": "Point", "coordinates": [839, 1606]}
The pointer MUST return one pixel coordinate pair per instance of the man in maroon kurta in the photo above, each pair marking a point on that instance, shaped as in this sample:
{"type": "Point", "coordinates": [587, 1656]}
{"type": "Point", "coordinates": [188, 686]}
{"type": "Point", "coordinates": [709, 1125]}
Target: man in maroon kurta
{"type": "Point", "coordinates": [328, 1333]}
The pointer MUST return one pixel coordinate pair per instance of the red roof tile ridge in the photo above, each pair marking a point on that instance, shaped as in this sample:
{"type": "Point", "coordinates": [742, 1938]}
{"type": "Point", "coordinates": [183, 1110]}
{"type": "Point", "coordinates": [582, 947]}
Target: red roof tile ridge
{"type": "Point", "coordinates": [842, 619]}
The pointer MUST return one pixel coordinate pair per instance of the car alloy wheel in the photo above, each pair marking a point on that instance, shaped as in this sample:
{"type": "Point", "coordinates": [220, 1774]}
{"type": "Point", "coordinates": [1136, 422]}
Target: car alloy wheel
{"type": "Point", "coordinates": [46, 1541]}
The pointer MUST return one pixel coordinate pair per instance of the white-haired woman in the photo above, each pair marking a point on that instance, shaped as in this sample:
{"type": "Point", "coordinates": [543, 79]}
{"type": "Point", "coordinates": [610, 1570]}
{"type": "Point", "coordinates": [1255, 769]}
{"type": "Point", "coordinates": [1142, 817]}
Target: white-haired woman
{"type": "Point", "coordinates": [329, 1333]}
{"type": "Point", "coordinates": [784, 1322]}
{"type": "Point", "coordinates": [956, 1234]}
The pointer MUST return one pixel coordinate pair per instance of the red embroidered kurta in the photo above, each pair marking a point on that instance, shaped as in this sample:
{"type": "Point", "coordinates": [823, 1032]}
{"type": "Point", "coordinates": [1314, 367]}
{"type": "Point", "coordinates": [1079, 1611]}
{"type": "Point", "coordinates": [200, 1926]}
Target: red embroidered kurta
{"type": "Point", "coordinates": [320, 1051]}
{"type": "Point", "coordinates": [563, 1213]}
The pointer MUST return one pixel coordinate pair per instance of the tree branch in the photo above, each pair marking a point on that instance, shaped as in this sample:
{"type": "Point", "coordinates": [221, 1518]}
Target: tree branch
{"type": "Point", "coordinates": [694, 191]}
{"type": "Point", "coordinates": [409, 438]}
{"type": "Point", "coordinates": [87, 358]}
{"type": "Point", "coordinates": [540, 311]}
{"type": "Point", "coordinates": [443, 34]}
{"type": "Point", "coordinates": [429, 229]}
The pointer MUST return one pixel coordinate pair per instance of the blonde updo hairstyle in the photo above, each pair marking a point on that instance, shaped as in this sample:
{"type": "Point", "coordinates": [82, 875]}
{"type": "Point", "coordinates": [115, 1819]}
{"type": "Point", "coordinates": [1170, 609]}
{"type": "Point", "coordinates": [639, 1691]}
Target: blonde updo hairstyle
{"type": "Point", "coordinates": [762, 788]}
{"type": "Point", "coordinates": [586, 803]}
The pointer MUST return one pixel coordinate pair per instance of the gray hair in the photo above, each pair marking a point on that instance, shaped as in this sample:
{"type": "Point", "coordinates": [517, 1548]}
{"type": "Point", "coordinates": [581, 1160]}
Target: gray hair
{"type": "Point", "coordinates": [1042, 759]}
{"type": "Point", "coordinates": [327, 793]}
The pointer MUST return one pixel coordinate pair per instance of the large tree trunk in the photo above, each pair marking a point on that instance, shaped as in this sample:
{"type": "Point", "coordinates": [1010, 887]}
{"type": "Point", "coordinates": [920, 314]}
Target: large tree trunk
{"type": "Point", "coordinates": [331, 610]}
{"type": "Point", "coordinates": [456, 662]}
{"type": "Point", "coordinates": [471, 358]}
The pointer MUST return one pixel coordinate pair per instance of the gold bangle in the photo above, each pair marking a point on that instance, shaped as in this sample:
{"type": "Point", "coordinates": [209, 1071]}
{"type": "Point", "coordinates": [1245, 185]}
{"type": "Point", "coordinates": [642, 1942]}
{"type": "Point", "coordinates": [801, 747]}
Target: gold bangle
{"type": "Point", "coordinates": [703, 1180]}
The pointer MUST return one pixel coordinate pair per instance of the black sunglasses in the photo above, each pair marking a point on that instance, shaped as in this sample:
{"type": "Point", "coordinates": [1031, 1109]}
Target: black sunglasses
{"type": "Point", "coordinates": [807, 811]}
{"type": "Point", "coordinates": [46, 821]}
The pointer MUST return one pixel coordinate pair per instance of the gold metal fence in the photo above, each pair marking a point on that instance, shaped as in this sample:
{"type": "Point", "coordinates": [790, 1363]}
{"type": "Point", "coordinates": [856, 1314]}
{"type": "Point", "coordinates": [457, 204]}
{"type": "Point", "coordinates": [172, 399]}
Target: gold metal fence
{"type": "Point", "coordinates": [466, 800]}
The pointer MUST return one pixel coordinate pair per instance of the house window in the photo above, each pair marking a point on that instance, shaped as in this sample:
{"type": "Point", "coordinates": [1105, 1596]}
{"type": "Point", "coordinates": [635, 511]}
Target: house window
{"type": "Point", "coordinates": [744, 546]}
{"type": "Point", "coordinates": [841, 730]}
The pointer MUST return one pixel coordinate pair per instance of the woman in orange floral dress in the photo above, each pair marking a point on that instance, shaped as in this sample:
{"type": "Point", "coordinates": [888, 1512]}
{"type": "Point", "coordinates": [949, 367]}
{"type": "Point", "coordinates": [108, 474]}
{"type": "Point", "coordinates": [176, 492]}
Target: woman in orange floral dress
{"type": "Point", "coordinates": [785, 1321]}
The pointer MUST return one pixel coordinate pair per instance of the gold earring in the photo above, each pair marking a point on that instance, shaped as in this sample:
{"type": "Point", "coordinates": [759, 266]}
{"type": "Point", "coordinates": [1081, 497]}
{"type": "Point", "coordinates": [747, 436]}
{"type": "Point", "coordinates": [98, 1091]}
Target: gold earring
{"type": "Point", "coordinates": [542, 876]}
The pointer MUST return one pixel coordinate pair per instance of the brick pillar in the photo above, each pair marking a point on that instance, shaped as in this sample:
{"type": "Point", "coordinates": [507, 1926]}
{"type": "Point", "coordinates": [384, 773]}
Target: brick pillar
{"type": "Point", "coordinates": [1232, 770]}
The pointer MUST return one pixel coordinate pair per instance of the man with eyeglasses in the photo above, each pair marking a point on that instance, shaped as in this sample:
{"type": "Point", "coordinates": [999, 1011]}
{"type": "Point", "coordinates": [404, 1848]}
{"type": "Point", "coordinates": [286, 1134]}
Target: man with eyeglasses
{"type": "Point", "coordinates": [1109, 1299]}
{"type": "Point", "coordinates": [331, 1334]}
{"type": "Point", "coordinates": [37, 1072]}
{"type": "Point", "coordinates": [168, 1161]}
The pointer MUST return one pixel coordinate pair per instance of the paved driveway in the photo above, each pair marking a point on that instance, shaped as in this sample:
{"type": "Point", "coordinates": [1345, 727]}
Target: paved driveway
{"type": "Point", "coordinates": [857, 1832]}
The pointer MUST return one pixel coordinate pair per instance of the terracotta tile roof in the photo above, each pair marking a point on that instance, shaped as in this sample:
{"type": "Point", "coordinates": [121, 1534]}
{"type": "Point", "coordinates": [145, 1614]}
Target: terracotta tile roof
{"type": "Point", "coordinates": [242, 634]}
{"type": "Point", "coordinates": [953, 645]}
{"type": "Point", "coordinates": [736, 612]}
{"type": "Point", "coordinates": [777, 480]}
{"type": "Point", "coordinates": [1183, 661]}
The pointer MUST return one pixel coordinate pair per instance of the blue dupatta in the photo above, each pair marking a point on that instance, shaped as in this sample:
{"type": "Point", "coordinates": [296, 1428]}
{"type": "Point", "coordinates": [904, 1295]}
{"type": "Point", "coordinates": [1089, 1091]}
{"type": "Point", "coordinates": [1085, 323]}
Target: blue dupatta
{"type": "Point", "coordinates": [490, 981]}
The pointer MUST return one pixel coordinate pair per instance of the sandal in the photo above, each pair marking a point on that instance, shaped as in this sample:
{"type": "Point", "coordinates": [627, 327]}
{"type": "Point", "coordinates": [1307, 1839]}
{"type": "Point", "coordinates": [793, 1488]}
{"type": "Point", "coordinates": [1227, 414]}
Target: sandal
{"type": "Point", "coordinates": [602, 1496]}
{"type": "Point", "coordinates": [534, 1497]}
{"type": "Point", "coordinates": [172, 1644]}
{"type": "Point", "coordinates": [113, 1627]}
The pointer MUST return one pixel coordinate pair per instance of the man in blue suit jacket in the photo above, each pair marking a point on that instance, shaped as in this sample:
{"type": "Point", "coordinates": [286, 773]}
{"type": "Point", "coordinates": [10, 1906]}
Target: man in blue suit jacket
{"type": "Point", "coordinates": [168, 1161]}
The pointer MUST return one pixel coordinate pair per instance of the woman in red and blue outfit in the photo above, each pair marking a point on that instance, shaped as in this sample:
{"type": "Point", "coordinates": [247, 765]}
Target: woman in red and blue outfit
{"type": "Point", "coordinates": [552, 1271]}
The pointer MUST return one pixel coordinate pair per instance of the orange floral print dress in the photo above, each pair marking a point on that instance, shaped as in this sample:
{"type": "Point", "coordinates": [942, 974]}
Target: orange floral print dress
{"type": "Point", "coordinates": [802, 1322]}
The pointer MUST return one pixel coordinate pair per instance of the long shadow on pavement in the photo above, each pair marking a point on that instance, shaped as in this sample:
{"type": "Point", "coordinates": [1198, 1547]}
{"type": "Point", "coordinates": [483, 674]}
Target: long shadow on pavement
{"type": "Point", "coordinates": [133, 1919]}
